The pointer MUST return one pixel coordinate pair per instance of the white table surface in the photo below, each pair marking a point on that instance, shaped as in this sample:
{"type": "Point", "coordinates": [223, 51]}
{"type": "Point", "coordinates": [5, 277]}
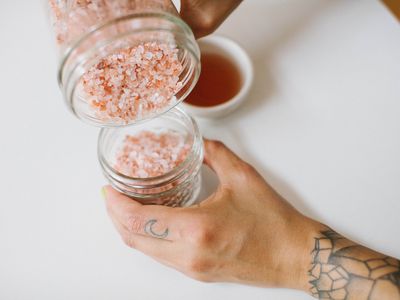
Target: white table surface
{"type": "Point", "coordinates": [322, 124]}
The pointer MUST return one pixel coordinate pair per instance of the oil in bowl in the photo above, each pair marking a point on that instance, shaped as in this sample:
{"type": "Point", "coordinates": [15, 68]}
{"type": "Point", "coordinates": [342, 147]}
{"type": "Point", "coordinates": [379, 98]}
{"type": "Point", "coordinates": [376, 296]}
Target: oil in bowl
{"type": "Point", "coordinates": [220, 80]}
{"type": "Point", "coordinates": [225, 79]}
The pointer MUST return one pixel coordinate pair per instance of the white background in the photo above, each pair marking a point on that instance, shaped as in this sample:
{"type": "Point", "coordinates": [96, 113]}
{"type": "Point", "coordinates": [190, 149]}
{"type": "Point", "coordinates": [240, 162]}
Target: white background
{"type": "Point", "coordinates": [322, 124]}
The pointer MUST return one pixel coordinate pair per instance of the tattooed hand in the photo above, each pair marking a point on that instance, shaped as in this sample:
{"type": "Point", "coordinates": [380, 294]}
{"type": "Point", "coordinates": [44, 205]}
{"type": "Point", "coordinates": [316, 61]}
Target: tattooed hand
{"type": "Point", "coordinates": [341, 269]}
{"type": "Point", "coordinates": [246, 233]}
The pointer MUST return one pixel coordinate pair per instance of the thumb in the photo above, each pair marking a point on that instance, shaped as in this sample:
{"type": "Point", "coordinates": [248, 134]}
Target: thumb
{"type": "Point", "coordinates": [226, 164]}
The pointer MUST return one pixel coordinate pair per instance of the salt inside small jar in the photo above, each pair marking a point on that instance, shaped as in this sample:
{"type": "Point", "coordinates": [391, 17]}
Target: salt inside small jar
{"type": "Point", "coordinates": [157, 162]}
{"type": "Point", "coordinates": [123, 61]}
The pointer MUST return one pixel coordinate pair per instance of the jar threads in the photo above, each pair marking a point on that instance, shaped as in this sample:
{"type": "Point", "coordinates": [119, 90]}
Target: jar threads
{"type": "Point", "coordinates": [180, 186]}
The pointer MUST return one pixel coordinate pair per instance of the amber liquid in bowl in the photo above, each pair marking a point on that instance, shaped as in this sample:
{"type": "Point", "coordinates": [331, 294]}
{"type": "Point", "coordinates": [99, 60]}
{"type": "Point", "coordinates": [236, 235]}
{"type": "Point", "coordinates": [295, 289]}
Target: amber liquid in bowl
{"type": "Point", "coordinates": [220, 80]}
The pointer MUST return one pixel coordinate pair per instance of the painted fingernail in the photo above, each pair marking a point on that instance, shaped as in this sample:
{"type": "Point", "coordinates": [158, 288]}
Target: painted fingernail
{"type": "Point", "coordinates": [103, 193]}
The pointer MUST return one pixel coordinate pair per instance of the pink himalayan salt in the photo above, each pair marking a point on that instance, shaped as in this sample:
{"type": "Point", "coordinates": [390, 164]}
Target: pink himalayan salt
{"type": "Point", "coordinates": [74, 18]}
{"type": "Point", "coordinates": [150, 154]}
{"type": "Point", "coordinates": [133, 83]}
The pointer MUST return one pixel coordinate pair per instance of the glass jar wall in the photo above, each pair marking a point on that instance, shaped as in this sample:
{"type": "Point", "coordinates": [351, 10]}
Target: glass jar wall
{"type": "Point", "coordinates": [123, 61]}
{"type": "Point", "coordinates": [180, 185]}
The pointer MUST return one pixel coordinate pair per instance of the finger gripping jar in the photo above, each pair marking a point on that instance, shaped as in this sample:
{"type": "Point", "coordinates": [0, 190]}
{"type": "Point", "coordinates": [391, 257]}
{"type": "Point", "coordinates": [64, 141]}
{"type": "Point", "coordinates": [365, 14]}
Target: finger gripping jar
{"type": "Point", "coordinates": [123, 61]}
{"type": "Point", "coordinates": [180, 185]}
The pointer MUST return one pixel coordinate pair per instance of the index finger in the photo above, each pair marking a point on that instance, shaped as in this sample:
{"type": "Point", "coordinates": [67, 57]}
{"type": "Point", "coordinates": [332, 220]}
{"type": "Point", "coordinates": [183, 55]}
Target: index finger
{"type": "Point", "coordinates": [156, 221]}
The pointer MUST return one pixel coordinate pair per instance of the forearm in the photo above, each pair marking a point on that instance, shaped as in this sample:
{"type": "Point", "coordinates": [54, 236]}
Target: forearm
{"type": "Point", "coordinates": [342, 269]}
{"type": "Point", "coordinates": [247, 233]}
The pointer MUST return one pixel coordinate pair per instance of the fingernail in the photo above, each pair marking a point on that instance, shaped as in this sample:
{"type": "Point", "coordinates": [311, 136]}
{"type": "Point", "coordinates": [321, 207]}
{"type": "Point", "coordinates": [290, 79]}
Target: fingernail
{"type": "Point", "coordinates": [103, 193]}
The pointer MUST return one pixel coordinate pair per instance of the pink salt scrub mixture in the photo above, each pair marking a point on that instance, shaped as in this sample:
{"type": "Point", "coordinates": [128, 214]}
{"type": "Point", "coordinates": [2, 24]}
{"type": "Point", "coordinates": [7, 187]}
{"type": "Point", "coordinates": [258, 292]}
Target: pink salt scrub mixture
{"type": "Point", "coordinates": [150, 154]}
{"type": "Point", "coordinates": [133, 82]}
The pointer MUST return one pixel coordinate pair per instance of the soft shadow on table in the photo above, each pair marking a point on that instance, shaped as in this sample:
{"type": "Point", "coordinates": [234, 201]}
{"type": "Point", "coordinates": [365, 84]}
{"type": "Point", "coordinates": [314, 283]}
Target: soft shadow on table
{"type": "Point", "coordinates": [210, 183]}
{"type": "Point", "coordinates": [262, 91]}
{"type": "Point", "coordinates": [277, 183]}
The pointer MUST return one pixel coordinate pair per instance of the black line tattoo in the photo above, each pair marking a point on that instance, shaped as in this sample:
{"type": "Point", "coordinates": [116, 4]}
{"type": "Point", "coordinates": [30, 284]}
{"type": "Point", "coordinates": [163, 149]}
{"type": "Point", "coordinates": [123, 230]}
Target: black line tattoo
{"type": "Point", "coordinates": [148, 228]}
{"type": "Point", "coordinates": [342, 269]}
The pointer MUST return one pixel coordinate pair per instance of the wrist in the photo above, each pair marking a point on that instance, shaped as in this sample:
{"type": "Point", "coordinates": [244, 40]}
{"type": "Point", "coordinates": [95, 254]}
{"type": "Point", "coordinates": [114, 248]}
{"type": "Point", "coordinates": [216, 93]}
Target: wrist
{"type": "Point", "coordinates": [300, 257]}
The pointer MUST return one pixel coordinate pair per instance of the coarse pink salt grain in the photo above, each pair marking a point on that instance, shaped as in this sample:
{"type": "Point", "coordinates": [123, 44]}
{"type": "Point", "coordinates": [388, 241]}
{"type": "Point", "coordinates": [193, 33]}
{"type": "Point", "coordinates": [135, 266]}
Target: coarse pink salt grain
{"type": "Point", "coordinates": [74, 18]}
{"type": "Point", "coordinates": [150, 154]}
{"type": "Point", "coordinates": [133, 83]}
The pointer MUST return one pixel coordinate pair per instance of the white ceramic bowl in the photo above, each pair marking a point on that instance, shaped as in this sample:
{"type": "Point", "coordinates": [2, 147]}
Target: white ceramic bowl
{"type": "Point", "coordinates": [230, 49]}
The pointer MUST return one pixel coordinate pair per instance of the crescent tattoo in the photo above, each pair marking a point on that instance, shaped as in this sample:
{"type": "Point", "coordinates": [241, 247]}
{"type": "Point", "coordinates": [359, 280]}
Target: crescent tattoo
{"type": "Point", "coordinates": [148, 228]}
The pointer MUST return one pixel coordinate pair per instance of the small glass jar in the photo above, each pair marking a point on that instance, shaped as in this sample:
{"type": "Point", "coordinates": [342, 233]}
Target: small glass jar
{"type": "Point", "coordinates": [178, 187]}
{"type": "Point", "coordinates": [89, 31]}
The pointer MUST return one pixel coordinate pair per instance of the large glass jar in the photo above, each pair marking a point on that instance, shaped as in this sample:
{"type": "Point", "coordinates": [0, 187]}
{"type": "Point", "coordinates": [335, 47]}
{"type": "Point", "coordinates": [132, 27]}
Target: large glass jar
{"type": "Point", "coordinates": [178, 187]}
{"type": "Point", "coordinates": [123, 61]}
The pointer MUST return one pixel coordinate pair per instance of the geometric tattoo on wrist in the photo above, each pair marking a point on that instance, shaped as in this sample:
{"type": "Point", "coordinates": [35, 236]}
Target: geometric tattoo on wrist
{"type": "Point", "coordinates": [341, 269]}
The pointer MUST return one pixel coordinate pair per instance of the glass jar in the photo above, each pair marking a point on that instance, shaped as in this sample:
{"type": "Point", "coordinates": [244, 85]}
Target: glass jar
{"type": "Point", "coordinates": [100, 37]}
{"type": "Point", "coordinates": [178, 187]}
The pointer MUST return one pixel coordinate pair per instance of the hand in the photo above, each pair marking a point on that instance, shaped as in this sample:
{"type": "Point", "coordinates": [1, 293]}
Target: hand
{"type": "Point", "coordinates": [204, 16]}
{"type": "Point", "coordinates": [245, 232]}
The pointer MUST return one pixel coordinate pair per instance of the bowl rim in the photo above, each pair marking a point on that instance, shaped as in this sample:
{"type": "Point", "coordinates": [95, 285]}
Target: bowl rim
{"type": "Point", "coordinates": [243, 61]}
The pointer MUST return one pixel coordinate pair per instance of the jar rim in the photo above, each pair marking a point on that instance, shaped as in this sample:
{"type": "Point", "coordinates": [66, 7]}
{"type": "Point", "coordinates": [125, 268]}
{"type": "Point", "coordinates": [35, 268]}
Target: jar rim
{"type": "Point", "coordinates": [170, 174]}
{"type": "Point", "coordinates": [70, 66]}
{"type": "Point", "coordinates": [95, 28]}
